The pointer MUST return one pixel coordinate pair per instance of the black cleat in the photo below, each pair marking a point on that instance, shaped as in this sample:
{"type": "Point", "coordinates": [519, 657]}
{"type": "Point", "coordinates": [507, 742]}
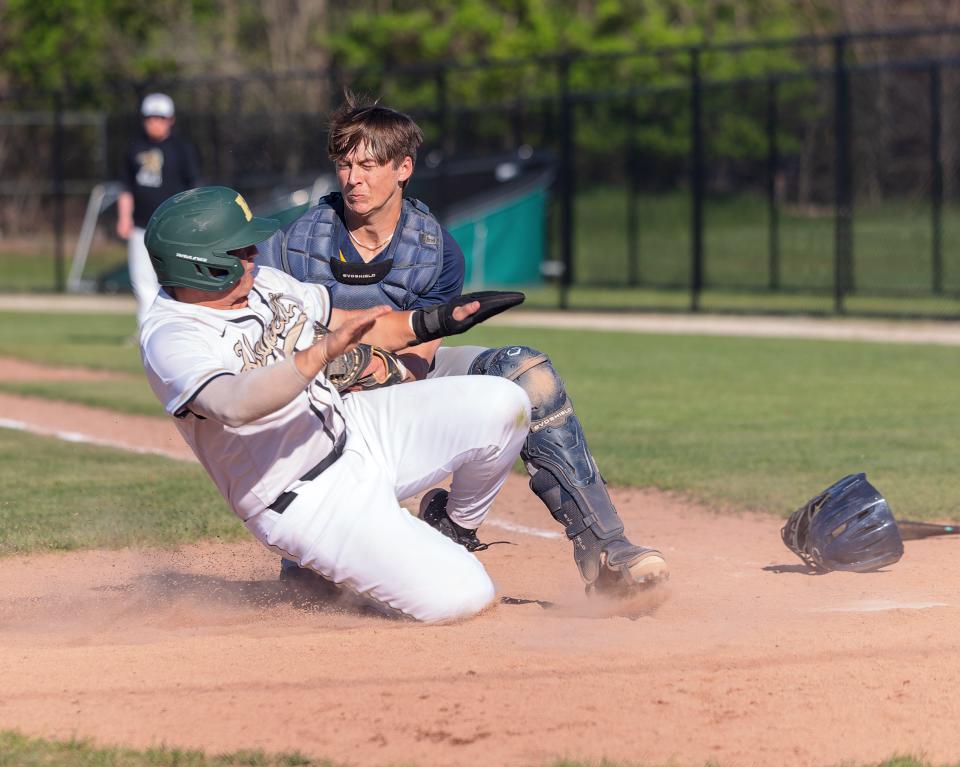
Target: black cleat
{"type": "Point", "coordinates": [624, 568]}
{"type": "Point", "coordinates": [433, 511]}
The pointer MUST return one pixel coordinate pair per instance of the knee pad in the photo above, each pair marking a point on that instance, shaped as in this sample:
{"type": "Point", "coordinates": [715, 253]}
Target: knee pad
{"type": "Point", "coordinates": [556, 437]}
{"type": "Point", "coordinates": [532, 371]}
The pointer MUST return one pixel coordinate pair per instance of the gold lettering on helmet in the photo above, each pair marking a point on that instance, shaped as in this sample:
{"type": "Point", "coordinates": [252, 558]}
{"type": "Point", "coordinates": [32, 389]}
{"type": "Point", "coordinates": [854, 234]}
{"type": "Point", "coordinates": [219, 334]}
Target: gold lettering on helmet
{"type": "Point", "coordinates": [243, 205]}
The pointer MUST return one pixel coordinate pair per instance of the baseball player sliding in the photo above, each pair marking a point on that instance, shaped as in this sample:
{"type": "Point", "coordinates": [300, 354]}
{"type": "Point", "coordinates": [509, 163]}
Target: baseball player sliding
{"type": "Point", "coordinates": [236, 353]}
{"type": "Point", "coordinates": [369, 245]}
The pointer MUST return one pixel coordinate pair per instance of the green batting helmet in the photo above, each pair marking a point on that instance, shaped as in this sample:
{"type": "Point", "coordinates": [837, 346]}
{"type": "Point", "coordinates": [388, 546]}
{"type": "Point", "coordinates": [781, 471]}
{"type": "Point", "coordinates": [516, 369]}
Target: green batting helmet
{"type": "Point", "coordinates": [189, 236]}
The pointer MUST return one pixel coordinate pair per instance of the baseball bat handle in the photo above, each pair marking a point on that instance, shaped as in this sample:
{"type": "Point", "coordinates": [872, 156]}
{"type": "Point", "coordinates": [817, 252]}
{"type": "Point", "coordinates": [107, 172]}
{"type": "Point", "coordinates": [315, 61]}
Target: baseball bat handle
{"type": "Point", "coordinates": [912, 531]}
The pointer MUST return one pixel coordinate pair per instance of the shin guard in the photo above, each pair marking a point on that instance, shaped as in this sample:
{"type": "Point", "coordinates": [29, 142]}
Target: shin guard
{"type": "Point", "coordinates": [562, 471]}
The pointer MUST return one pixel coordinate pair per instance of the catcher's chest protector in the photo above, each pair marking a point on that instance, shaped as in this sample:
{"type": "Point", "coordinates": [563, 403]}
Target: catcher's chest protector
{"type": "Point", "coordinates": [411, 265]}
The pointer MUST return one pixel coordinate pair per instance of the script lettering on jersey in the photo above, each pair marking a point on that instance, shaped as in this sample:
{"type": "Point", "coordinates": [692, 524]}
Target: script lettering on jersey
{"type": "Point", "coordinates": [256, 356]}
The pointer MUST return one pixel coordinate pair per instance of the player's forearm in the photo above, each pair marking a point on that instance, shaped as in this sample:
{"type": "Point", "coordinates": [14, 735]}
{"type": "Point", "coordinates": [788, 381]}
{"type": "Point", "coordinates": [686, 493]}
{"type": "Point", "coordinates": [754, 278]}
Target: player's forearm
{"type": "Point", "coordinates": [241, 399]}
{"type": "Point", "coordinates": [392, 332]}
{"type": "Point", "coordinates": [397, 330]}
{"type": "Point", "coordinates": [309, 362]}
{"type": "Point", "coordinates": [125, 205]}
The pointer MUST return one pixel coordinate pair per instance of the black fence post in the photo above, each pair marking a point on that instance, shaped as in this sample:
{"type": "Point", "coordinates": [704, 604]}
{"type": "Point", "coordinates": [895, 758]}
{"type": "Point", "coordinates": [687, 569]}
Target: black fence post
{"type": "Point", "coordinates": [518, 124]}
{"type": "Point", "coordinates": [697, 180]}
{"type": "Point", "coordinates": [567, 180]}
{"type": "Point", "coordinates": [936, 180]}
{"type": "Point", "coordinates": [548, 121]}
{"type": "Point", "coordinates": [773, 207]}
{"type": "Point", "coordinates": [633, 175]}
{"type": "Point", "coordinates": [843, 172]}
{"type": "Point", "coordinates": [235, 111]}
{"type": "Point", "coordinates": [215, 172]}
{"type": "Point", "coordinates": [443, 142]}
{"type": "Point", "coordinates": [59, 193]}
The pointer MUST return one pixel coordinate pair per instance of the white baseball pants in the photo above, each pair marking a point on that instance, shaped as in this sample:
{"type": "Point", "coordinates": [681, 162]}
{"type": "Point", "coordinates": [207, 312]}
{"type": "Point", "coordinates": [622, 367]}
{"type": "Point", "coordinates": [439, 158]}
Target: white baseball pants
{"type": "Point", "coordinates": [347, 523]}
{"type": "Point", "coordinates": [454, 360]}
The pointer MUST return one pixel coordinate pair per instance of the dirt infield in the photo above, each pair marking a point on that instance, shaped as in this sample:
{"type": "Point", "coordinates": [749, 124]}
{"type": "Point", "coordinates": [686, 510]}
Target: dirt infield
{"type": "Point", "coordinates": [743, 659]}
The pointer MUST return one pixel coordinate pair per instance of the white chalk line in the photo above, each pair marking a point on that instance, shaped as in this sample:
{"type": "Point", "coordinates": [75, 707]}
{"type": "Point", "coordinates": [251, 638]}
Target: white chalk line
{"type": "Point", "coordinates": [513, 527]}
{"type": "Point", "coordinates": [879, 605]}
{"type": "Point", "coordinates": [74, 436]}
{"type": "Point", "coordinates": [80, 438]}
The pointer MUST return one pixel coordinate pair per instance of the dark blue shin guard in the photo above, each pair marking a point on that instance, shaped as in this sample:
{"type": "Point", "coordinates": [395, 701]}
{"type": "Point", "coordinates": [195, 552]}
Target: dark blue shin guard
{"type": "Point", "coordinates": [562, 471]}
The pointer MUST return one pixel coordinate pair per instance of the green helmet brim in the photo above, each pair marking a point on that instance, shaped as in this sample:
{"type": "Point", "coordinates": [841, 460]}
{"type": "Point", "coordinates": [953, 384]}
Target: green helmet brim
{"type": "Point", "coordinates": [256, 230]}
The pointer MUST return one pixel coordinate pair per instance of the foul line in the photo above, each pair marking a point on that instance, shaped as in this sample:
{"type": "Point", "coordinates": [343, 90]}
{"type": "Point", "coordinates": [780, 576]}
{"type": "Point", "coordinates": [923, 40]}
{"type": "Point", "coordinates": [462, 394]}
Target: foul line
{"type": "Point", "coordinates": [515, 528]}
{"type": "Point", "coordinates": [86, 439]}
{"type": "Point", "coordinates": [75, 436]}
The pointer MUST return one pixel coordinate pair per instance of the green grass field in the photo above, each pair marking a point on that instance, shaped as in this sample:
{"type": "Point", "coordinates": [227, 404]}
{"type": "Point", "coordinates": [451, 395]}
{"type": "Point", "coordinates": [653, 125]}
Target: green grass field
{"type": "Point", "coordinates": [761, 423]}
{"type": "Point", "coordinates": [892, 267]}
{"type": "Point", "coordinates": [92, 497]}
{"type": "Point", "coordinates": [34, 268]}
{"type": "Point", "coordinates": [99, 341]}
{"type": "Point", "coordinates": [732, 422]}
{"type": "Point", "coordinates": [892, 243]}
{"type": "Point", "coordinates": [19, 751]}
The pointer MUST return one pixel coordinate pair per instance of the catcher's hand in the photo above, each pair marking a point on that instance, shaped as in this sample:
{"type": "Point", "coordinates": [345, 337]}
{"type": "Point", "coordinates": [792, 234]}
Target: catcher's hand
{"type": "Point", "coordinates": [440, 321]}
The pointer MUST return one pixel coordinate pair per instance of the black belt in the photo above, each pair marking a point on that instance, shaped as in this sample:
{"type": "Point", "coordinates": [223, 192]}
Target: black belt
{"type": "Point", "coordinates": [288, 497]}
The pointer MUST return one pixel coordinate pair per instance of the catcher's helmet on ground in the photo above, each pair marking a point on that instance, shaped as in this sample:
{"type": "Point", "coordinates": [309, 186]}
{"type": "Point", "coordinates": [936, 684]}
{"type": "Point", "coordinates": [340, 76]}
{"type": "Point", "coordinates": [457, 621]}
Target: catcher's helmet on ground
{"type": "Point", "coordinates": [848, 526]}
{"type": "Point", "coordinates": [189, 236]}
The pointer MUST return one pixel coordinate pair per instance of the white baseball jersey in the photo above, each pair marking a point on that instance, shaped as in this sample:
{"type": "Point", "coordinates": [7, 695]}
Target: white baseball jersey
{"type": "Point", "coordinates": [344, 522]}
{"type": "Point", "coordinates": [185, 346]}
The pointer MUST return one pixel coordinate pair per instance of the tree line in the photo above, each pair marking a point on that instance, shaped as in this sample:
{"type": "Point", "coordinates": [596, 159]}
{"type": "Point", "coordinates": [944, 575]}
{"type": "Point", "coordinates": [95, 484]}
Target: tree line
{"type": "Point", "coordinates": [228, 58]}
{"type": "Point", "coordinates": [85, 45]}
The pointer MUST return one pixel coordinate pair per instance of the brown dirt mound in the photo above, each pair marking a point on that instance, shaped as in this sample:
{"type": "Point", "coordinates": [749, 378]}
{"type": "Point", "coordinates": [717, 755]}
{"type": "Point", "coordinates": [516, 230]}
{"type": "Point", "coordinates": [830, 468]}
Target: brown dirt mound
{"type": "Point", "coordinates": [743, 658]}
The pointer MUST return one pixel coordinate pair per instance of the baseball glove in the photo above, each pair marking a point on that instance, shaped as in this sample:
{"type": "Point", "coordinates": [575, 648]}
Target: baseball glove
{"type": "Point", "coordinates": [849, 526]}
{"type": "Point", "coordinates": [351, 370]}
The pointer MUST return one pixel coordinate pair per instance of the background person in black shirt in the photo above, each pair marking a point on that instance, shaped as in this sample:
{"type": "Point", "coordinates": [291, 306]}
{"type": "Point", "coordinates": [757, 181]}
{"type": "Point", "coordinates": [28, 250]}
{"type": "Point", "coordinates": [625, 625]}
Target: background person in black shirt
{"type": "Point", "coordinates": [156, 166]}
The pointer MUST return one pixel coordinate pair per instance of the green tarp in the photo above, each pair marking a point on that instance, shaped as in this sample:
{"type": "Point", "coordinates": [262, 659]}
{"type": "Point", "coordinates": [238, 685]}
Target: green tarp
{"type": "Point", "coordinates": [504, 243]}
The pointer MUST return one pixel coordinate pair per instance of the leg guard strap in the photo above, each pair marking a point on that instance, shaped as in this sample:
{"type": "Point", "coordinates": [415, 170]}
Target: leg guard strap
{"type": "Point", "coordinates": [587, 545]}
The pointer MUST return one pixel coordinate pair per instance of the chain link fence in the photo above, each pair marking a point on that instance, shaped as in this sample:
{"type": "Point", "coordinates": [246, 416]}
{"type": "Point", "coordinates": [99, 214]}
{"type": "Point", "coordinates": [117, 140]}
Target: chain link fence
{"type": "Point", "coordinates": [815, 174]}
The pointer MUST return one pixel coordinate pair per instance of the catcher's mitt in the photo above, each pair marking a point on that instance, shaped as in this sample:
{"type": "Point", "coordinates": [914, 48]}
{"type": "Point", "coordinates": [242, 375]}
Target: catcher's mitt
{"type": "Point", "coordinates": [351, 370]}
{"type": "Point", "coordinates": [848, 526]}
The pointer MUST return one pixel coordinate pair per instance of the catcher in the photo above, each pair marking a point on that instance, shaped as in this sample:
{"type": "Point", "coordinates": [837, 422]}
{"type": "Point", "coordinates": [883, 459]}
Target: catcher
{"type": "Point", "coordinates": [370, 245]}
